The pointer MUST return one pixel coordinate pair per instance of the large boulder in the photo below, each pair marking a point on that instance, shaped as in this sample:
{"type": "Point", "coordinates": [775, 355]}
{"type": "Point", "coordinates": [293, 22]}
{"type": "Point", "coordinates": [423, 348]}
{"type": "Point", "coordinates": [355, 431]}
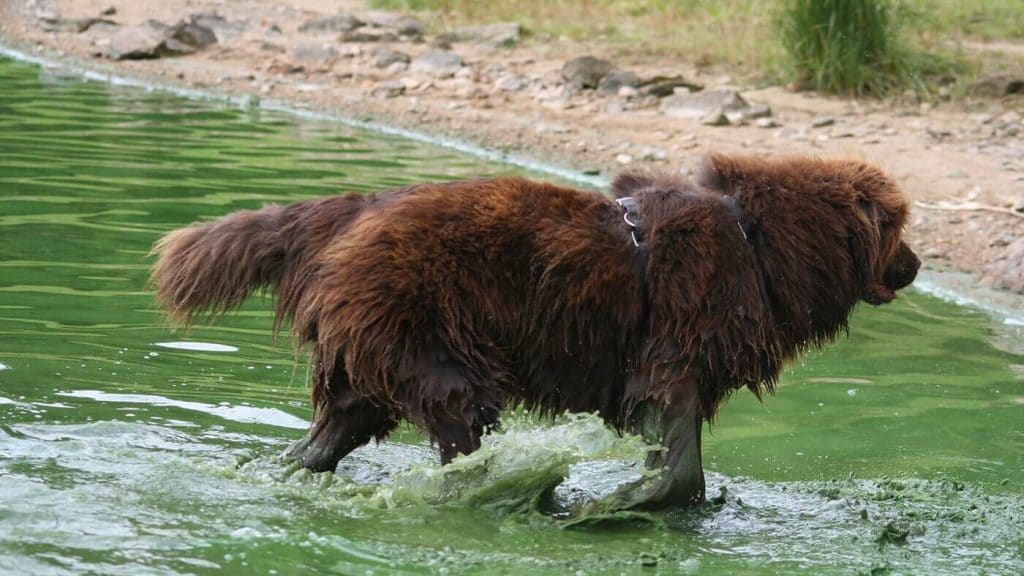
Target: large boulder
{"type": "Point", "coordinates": [154, 39]}
{"type": "Point", "coordinates": [699, 105]}
{"type": "Point", "coordinates": [187, 37]}
{"type": "Point", "coordinates": [138, 42]}
{"type": "Point", "coordinates": [585, 71]}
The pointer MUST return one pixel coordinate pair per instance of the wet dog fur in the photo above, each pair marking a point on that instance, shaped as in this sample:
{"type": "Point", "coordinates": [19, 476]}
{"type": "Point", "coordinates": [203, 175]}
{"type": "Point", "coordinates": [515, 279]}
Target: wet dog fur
{"type": "Point", "coordinates": [442, 304]}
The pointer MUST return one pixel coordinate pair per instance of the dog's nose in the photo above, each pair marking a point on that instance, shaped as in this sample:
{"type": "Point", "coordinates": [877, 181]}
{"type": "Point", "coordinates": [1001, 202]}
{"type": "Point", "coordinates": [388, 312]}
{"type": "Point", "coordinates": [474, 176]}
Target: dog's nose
{"type": "Point", "coordinates": [904, 269]}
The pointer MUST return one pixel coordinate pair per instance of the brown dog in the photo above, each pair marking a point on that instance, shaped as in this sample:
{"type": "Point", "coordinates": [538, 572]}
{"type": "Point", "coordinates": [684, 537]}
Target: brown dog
{"type": "Point", "coordinates": [444, 303]}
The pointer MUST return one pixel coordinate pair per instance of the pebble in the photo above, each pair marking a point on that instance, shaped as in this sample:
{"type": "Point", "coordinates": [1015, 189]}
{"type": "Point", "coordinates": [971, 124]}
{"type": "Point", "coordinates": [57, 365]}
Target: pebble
{"type": "Point", "coordinates": [1018, 204]}
{"type": "Point", "coordinates": [511, 83]}
{"type": "Point", "coordinates": [628, 92]}
{"type": "Point", "coordinates": [438, 63]}
{"type": "Point", "coordinates": [715, 118]}
{"type": "Point", "coordinates": [624, 159]}
{"type": "Point", "coordinates": [388, 89]}
{"type": "Point", "coordinates": [822, 121]}
{"type": "Point", "coordinates": [386, 57]}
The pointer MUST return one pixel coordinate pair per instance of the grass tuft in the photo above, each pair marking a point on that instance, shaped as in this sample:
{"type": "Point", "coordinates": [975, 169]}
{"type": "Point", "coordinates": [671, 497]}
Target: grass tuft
{"type": "Point", "coordinates": [853, 47]}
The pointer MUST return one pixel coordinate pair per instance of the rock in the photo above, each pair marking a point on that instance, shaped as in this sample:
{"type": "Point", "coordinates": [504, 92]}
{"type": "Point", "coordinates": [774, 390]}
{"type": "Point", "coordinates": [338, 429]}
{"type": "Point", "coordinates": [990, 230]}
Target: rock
{"type": "Point", "coordinates": [334, 23]}
{"type": "Point", "coordinates": [1018, 204]}
{"type": "Point", "coordinates": [715, 118]}
{"type": "Point", "coordinates": [499, 35]}
{"type": "Point", "coordinates": [397, 67]}
{"type": "Point", "coordinates": [385, 57]}
{"type": "Point", "coordinates": [559, 101]}
{"type": "Point", "coordinates": [186, 38]}
{"type": "Point", "coordinates": [662, 86]}
{"type": "Point", "coordinates": [1006, 272]}
{"type": "Point", "coordinates": [704, 105]}
{"type": "Point", "coordinates": [651, 154]}
{"type": "Point", "coordinates": [938, 132]}
{"type": "Point", "coordinates": [271, 47]}
{"type": "Point", "coordinates": [79, 25]}
{"type": "Point", "coordinates": [437, 63]}
{"type": "Point", "coordinates": [736, 118]}
{"type": "Point", "coordinates": [628, 92]}
{"type": "Point", "coordinates": [441, 42]}
{"type": "Point", "coordinates": [822, 121]}
{"type": "Point", "coordinates": [220, 25]}
{"type": "Point", "coordinates": [616, 80]}
{"type": "Point", "coordinates": [766, 123]}
{"type": "Point", "coordinates": [153, 39]}
{"type": "Point", "coordinates": [401, 24]}
{"type": "Point", "coordinates": [389, 89]}
{"type": "Point", "coordinates": [364, 35]}
{"type": "Point", "coordinates": [624, 159]}
{"type": "Point", "coordinates": [758, 111]}
{"type": "Point", "coordinates": [998, 86]}
{"type": "Point", "coordinates": [511, 83]}
{"type": "Point", "coordinates": [1008, 119]}
{"type": "Point", "coordinates": [614, 106]}
{"type": "Point", "coordinates": [315, 53]}
{"type": "Point", "coordinates": [139, 42]}
{"type": "Point", "coordinates": [585, 71]}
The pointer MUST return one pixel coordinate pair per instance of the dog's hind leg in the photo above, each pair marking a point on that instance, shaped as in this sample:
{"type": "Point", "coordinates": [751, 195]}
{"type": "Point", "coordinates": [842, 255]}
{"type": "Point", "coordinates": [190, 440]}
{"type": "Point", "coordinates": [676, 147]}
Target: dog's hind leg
{"type": "Point", "coordinates": [453, 408]}
{"type": "Point", "coordinates": [345, 422]}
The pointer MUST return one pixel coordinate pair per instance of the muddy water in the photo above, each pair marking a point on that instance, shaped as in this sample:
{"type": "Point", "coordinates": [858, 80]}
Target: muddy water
{"type": "Point", "coordinates": [122, 451]}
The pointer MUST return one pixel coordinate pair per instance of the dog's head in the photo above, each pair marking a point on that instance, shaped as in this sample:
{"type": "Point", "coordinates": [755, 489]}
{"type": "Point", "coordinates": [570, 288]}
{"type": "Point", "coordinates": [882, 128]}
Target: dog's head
{"type": "Point", "coordinates": [843, 199]}
{"type": "Point", "coordinates": [888, 262]}
{"type": "Point", "coordinates": [899, 272]}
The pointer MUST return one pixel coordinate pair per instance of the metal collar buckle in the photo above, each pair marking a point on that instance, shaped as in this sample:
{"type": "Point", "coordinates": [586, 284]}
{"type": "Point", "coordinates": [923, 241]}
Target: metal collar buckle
{"type": "Point", "coordinates": [629, 215]}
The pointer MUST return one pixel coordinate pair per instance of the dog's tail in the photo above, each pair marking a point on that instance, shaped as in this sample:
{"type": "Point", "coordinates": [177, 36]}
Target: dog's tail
{"type": "Point", "coordinates": [212, 267]}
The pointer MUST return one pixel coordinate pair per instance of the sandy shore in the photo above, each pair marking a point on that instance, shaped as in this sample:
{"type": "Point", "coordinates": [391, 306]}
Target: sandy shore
{"type": "Point", "coordinates": [962, 163]}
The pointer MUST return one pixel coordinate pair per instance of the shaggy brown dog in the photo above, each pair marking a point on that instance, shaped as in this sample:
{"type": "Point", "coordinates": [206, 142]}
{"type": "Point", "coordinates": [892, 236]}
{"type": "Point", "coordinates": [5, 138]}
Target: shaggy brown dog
{"type": "Point", "coordinates": [444, 303]}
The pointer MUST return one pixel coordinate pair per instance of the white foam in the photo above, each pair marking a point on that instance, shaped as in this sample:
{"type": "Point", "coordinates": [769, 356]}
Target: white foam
{"type": "Point", "coordinates": [198, 346]}
{"type": "Point", "coordinates": [244, 414]}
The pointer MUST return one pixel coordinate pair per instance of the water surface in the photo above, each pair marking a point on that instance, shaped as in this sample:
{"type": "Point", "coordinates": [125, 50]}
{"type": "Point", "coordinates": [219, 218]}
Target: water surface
{"type": "Point", "coordinates": [128, 449]}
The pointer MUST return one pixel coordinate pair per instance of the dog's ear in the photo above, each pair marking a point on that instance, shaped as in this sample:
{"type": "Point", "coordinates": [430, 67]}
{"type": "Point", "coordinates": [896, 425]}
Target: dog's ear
{"type": "Point", "coordinates": [873, 249]}
{"type": "Point", "coordinates": [711, 174]}
{"type": "Point", "coordinates": [629, 183]}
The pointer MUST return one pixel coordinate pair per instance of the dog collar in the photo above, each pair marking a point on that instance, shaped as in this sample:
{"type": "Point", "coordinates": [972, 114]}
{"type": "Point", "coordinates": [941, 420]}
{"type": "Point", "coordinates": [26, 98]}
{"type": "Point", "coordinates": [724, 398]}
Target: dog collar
{"type": "Point", "coordinates": [631, 216]}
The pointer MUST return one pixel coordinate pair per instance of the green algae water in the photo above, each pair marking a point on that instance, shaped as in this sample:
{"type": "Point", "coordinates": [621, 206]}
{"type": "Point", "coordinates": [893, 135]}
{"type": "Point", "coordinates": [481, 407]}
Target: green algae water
{"type": "Point", "coordinates": [128, 449]}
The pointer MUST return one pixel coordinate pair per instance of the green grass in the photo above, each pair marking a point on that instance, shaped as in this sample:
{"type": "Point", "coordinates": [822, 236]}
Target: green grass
{"type": "Point", "coordinates": [742, 38]}
{"type": "Point", "coordinates": [853, 47]}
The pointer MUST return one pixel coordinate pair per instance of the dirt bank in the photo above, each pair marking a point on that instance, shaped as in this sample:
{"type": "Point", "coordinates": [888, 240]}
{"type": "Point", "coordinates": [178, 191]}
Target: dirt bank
{"type": "Point", "coordinates": [962, 163]}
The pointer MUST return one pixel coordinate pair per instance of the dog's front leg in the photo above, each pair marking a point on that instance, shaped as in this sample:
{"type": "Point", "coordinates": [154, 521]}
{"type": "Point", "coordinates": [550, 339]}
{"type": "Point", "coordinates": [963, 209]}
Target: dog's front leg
{"type": "Point", "coordinates": [675, 424]}
{"type": "Point", "coordinates": [675, 478]}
